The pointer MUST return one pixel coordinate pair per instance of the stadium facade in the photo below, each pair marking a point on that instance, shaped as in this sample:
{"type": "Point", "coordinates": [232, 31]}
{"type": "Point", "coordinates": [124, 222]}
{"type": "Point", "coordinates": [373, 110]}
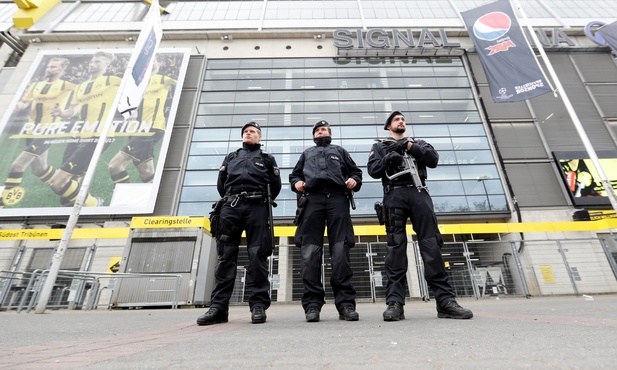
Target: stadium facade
{"type": "Point", "coordinates": [507, 190]}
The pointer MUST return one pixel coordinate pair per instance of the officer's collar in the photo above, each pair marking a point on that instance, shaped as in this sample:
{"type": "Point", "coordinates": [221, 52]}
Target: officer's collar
{"type": "Point", "coordinates": [251, 147]}
{"type": "Point", "coordinates": [322, 141]}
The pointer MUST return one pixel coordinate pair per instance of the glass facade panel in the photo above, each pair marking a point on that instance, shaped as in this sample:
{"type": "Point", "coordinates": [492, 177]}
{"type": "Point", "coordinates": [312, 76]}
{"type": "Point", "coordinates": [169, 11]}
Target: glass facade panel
{"type": "Point", "coordinates": [287, 96]}
{"type": "Point", "coordinates": [107, 12]}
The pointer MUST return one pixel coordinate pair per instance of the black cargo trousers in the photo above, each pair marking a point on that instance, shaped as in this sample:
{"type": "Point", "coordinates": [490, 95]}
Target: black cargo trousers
{"type": "Point", "coordinates": [331, 209]}
{"type": "Point", "coordinates": [250, 215]}
{"type": "Point", "coordinates": [403, 203]}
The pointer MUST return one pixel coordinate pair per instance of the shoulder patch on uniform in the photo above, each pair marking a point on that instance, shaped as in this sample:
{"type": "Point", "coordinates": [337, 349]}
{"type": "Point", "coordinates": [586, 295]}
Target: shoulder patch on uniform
{"type": "Point", "coordinates": [276, 171]}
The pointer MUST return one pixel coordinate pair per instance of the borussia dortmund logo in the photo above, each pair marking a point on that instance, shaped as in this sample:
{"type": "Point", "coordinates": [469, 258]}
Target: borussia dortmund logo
{"type": "Point", "coordinates": [13, 196]}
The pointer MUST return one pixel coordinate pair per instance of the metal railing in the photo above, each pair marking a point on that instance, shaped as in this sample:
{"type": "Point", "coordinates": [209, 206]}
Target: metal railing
{"type": "Point", "coordinates": [27, 286]}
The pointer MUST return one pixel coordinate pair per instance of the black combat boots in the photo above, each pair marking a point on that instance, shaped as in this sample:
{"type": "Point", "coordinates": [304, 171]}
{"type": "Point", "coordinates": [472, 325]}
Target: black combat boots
{"type": "Point", "coordinates": [312, 314]}
{"type": "Point", "coordinates": [394, 312]}
{"type": "Point", "coordinates": [213, 316]}
{"type": "Point", "coordinates": [348, 313]}
{"type": "Point", "coordinates": [452, 310]}
{"type": "Point", "coordinates": [258, 315]}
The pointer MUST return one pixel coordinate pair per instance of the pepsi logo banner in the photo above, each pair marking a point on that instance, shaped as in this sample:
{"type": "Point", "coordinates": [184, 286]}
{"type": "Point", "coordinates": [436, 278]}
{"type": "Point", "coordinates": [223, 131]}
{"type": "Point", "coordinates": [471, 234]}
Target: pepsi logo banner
{"type": "Point", "coordinates": [512, 70]}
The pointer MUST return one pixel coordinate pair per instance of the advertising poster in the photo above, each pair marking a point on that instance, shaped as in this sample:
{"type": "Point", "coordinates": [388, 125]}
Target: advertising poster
{"type": "Point", "coordinates": [582, 179]}
{"type": "Point", "coordinates": [51, 128]}
{"type": "Point", "coordinates": [510, 65]}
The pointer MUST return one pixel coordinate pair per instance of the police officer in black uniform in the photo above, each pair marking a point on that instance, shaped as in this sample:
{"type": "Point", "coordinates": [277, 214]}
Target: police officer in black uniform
{"type": "Point", "coordinates": [242, 182]}
{"type": "Point", "coordinates": [325, 178]}
{"type": "Point", "coordinates": [404, 199]}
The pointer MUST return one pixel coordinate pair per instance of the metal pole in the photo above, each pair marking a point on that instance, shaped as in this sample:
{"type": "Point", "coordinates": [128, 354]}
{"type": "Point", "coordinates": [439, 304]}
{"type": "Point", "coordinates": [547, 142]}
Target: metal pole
{"type": "Point", "coordinates": [577, 123]}
{"type": "Point", "coordinates": [567, 265]}
{"type": "Point", "coordinates": [83, 191]}
{"type": "Point", "coordinates": [482, 179]}
{"type": "Point", "coordinates": [81, 197]}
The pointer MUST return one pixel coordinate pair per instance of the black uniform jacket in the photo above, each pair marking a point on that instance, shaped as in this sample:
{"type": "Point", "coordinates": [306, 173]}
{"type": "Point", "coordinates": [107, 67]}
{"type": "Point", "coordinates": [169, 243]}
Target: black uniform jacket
{"type": "Point", "coordinates": [325, 168]}
{"type": "Point", "coordinates": [248, 169]}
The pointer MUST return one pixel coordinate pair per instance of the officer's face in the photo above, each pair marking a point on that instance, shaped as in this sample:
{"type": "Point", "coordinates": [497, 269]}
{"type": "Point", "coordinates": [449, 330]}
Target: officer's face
{"type": "Point", "coordinates": [397, 124]}
{"type": "Point", "coordinates": [251, 135]}
{"type": "Point", "coordinates": [322, 131]}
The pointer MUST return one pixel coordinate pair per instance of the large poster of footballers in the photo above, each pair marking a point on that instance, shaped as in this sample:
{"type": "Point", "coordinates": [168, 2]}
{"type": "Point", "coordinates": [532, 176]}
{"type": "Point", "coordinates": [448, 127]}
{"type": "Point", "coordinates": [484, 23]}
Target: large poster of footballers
{"type": "Point", "coordinates": [50, 130]}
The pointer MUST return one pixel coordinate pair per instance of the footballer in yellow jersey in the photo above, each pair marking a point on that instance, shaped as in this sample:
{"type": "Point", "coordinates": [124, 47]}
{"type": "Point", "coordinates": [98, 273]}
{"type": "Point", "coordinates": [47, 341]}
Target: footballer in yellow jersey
{"type": "Point", "coordinates": [42, 97]}
{"type": "Point", "coordinates": [91, 104]}
{"type": "Point", "coordinates": [140, 149]}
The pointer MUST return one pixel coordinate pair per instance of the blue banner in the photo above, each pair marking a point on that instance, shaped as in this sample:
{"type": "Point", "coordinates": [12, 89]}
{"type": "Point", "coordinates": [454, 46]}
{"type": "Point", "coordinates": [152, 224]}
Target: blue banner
{"type": "Point", "coordinates": [510, 65]}
{"type": "Point", "coordinates": [140, 65]}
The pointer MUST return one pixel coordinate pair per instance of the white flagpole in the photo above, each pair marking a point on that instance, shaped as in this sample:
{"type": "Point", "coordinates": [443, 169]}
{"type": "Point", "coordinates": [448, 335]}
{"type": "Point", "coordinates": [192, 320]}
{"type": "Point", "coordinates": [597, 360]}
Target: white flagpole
{"type": "Point", "coordinates": [577, 123]}
{"type": "Point", "coordinates": [83, 191]}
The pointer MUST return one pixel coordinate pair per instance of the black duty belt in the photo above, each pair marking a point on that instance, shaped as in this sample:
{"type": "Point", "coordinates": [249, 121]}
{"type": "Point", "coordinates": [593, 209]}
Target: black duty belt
{"type": "Point", "coordinates": [245, 195]}
{"type": "Point", "coordinates": [389, 188]}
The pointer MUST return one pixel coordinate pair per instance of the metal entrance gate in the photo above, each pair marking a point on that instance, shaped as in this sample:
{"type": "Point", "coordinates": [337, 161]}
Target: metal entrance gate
{"type": "Point", "coordinates": [474, 269]}
{"type": "Point", "coordinates": [367, 263]}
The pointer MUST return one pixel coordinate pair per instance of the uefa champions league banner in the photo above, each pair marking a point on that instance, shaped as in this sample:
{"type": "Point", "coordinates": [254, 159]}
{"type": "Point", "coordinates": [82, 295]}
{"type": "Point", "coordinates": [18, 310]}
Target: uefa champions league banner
{"type": "Point", "coordinates": [509, 63]}
{"type": "Point", "coordinates": [50, 130]}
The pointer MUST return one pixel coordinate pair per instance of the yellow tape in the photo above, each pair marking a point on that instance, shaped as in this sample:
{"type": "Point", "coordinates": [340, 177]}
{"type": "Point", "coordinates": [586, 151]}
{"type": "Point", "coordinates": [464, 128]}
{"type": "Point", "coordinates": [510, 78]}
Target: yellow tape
{"type": "Point", "coordinates": [289, 231]}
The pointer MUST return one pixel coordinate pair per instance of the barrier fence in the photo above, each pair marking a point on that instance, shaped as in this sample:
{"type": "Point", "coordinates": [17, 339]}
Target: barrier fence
{"type": "Point", "coordinates": [75, 289]}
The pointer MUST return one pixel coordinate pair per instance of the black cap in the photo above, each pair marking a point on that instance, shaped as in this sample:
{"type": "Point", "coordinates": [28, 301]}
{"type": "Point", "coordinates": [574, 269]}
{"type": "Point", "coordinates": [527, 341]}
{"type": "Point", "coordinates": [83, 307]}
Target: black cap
{"type": "Point", "coordinates": [319, 124]}
{"type": "Point", "coordinates": [254, 124]}
{"type": "Point", "coordinates": [395, 113]}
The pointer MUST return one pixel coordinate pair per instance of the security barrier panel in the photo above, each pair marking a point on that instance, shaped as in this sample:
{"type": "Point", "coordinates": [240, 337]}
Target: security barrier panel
{"type": "Point", "coordinates": [185, 251]}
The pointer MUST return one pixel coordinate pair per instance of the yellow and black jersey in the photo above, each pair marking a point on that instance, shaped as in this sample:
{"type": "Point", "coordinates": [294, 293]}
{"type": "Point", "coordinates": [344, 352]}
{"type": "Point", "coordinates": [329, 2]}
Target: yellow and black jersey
{"type": "Point", "coordinates": [94, 97]}
{"type": "Point", "coordinates": [153, 106]}
{"type": "Point", "coordinates": [44, 95]}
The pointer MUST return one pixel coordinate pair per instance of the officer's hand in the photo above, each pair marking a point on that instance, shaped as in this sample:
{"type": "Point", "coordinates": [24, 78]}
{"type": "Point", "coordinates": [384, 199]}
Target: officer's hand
{"type": "Point", "coordinates": [391, 147]}
{"type": "Point", "coordinates": [300, 186]}
{"type": "Point", "coordinates": [394, 158]}
{"type": "Point", "coordinates": [401, 146]}
{"type": "Point", "coordinates": [350, 183]}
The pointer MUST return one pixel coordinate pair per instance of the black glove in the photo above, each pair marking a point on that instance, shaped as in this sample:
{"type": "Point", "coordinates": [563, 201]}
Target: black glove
{"type": "Point", "coordinates": [394, 159]}
{"type": "Point", "coordinates": [398, 146]}
{"type": "Point", "coordinates": [402, 145]}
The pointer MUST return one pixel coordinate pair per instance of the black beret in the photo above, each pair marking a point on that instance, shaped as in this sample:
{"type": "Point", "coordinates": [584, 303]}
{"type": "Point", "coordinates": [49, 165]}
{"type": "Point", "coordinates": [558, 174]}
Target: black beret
{"type": "Point", "coordinates": [319, 124]}
{"type": "Point", "coordinates": [254, 124]}
{"type": "Point", "coordinates": [392, 115]}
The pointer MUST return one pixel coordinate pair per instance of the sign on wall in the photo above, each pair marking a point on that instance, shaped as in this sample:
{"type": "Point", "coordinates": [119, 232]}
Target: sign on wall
{"type": "Point", "coordinates": [581, 178]}
{"type": "Point", "coordinates": [49, 133]}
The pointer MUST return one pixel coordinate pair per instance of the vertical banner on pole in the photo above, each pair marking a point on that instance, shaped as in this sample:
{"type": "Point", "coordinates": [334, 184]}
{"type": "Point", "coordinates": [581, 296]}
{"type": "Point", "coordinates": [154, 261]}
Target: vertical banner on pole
{"type": "Point", "coordinates": [509, 63]}
{"type": "Point", "coordinates": [609, 33]}
{"type": "Point", "coordinates": [139, 68]}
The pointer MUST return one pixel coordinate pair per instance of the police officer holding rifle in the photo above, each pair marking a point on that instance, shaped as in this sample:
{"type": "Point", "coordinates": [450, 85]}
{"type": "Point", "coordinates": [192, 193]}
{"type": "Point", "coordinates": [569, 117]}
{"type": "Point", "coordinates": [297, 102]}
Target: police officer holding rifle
{"type": "Point", "coordinates": [401, 164]}
{"type": "Point", "coordinates": [248, 182]}
{"type": "Point", "coordinates": [325, 178]}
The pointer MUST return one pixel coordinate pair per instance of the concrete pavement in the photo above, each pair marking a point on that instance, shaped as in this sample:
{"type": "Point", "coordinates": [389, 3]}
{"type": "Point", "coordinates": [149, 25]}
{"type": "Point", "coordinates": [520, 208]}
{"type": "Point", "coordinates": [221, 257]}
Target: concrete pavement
{"type": "Point", "coordinates": [514, 333]}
